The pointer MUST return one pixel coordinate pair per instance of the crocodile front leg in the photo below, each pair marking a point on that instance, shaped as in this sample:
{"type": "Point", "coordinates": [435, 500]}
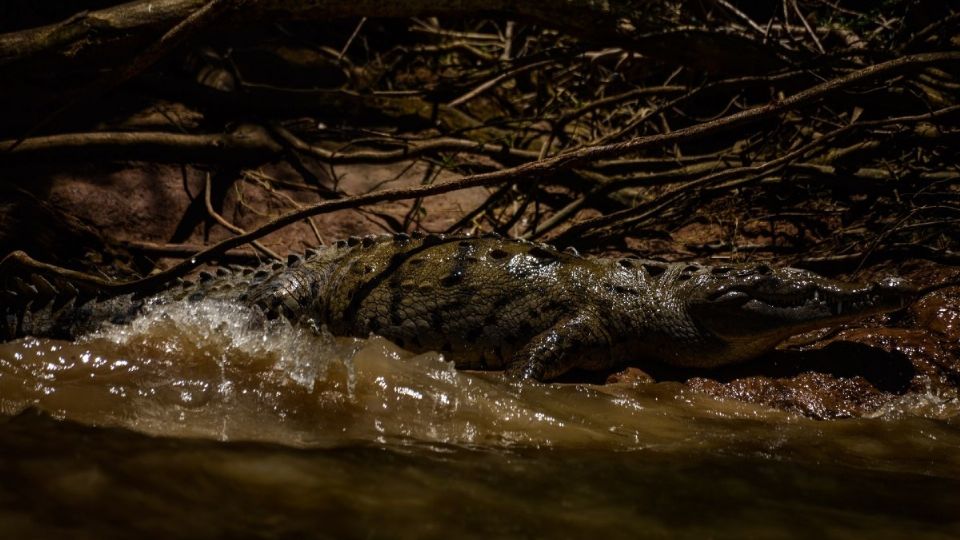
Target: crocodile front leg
{"type": "Point", "coordinates": [578, 342]}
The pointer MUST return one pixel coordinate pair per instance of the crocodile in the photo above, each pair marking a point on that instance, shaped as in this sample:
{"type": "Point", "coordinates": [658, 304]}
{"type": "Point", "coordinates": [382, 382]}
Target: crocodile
{"type": "Point", "coordinates": [487, 302]}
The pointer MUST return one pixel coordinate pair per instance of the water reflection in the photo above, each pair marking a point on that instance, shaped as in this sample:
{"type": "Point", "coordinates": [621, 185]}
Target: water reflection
{"type": "Point", "coordinates": [63, 480]}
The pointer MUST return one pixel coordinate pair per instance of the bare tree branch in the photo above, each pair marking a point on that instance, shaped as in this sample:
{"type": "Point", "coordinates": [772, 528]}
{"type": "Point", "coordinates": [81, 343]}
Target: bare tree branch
{"type": "Point", "coordinates": [639, 25]}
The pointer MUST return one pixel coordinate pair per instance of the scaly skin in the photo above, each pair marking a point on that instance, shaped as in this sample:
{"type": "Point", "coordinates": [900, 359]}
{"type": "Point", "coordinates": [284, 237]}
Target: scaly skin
{"type": "Point", "coordinates": [492, 303]}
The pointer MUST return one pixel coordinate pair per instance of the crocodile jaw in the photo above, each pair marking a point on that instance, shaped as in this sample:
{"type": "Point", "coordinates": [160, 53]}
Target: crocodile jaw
{"type": "Point", "coordinates": [752, 318]}
{"type": "Point", "coordinates": [820, 301]}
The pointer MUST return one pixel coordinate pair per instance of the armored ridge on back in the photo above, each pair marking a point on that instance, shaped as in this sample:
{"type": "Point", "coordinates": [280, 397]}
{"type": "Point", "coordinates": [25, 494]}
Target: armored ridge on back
{"type": "Point", "coordinates": [492, 303]}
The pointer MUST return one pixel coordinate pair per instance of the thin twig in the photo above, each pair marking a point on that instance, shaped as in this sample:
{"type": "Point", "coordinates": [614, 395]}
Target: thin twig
{"type": "Point", "coordinates": [230, 226]}
{"type": "Point", "coordinates": [742, 16]}
{"type": "Point", "coordinates": [813, 35]}
{"type": "Point", "coordinates": [185, 250]}
{"type": "Point", "coordinates": [509, 74]}
{"type": "Point", "coordinates": [353, 36]}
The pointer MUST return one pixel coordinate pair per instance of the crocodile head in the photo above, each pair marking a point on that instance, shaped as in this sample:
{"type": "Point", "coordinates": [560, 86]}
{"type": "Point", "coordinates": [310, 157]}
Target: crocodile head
{"type": "Point", "coordinates": [752, 308]}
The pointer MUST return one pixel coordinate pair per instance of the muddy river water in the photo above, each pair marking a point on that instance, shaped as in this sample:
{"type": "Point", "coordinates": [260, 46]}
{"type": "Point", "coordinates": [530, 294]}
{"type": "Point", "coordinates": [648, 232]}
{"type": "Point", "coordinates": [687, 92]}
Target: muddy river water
{"type": "Point", "coordinates": [189, 424]}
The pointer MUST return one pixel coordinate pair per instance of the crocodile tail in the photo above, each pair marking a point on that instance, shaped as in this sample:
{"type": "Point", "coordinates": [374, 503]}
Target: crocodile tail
{"type": "Point", "coordinates": [49, 306]}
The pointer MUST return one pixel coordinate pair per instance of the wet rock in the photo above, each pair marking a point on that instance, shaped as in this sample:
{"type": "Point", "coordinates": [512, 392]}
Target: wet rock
{"type": "Point", "coordinates": [939, 315]}
{"type": "Point", "coordinates": [856, 372]}
{"type": "Point", "coordinates": [813, 394]}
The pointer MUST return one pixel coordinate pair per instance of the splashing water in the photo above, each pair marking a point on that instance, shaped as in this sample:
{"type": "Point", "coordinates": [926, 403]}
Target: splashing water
{"type": "Point", "coordinates": [204, 370]}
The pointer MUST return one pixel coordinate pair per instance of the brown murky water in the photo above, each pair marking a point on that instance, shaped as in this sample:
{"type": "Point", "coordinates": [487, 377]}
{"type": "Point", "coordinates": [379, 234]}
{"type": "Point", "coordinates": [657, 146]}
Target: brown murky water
{"type": "Point", "coordinates": [188, 424]}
